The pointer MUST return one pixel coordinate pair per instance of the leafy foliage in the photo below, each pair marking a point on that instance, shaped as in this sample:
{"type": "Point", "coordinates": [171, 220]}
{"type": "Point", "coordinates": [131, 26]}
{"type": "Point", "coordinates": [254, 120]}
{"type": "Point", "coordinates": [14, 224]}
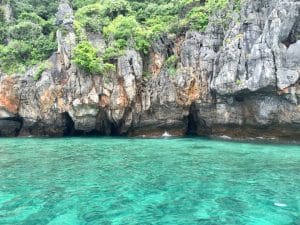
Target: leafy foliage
{"type": "Point", "coordinates": [25, 31]}
{"type": "Point", "coordinates": [125, 32]}
{"type": "Point", "coordinates": [40, 71]}
{"type": "Point", "coordinates": [90, 17]}
{"type": "Point", "coordinates": [18, 54]}
{"type": "Point", "coordinates": [85, 56]}
{"type": "Point", "coordinates": [94, 17]}
{"type": "Point", "coordinates": [198, 18]}
{"type": "Point", "coordinates": [116, 7]}
{"type": "Point", "coordinates": [81, 3]}
{"type": "Point", "coordinates": [28, 38]}
{"type": "Point", "coordinates": [2, 15]}
{"type": "Point", "coordinates": [171, 64]}
{"type": "Point", "coordinates": [3, 33]}
{"type": "Point", "coordinates": [120, 28]}
{"type": "Point", "coordinates": [44, 8]}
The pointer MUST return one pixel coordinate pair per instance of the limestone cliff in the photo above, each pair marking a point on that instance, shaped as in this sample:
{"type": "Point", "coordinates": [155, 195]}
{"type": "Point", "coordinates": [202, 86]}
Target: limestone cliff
{"type": "Point", "coordinates": [243, 81]}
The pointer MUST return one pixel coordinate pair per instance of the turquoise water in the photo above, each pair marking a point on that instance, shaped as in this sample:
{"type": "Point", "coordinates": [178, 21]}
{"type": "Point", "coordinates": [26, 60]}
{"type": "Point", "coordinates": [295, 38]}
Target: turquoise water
{"type": "Point", "coordinates": [73, 181]}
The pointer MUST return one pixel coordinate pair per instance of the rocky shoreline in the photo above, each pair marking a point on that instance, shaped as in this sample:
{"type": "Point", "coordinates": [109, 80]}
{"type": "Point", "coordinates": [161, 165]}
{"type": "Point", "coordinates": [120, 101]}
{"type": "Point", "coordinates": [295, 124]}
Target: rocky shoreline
{"type": "Point", "coordinates": [239, 82]}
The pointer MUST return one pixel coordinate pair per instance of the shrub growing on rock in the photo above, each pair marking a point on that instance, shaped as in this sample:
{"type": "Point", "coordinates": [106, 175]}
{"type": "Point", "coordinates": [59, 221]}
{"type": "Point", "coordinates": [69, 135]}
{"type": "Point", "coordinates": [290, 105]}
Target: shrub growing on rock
{"type": "Point", "coordinates": [85, 56]}
{"type": "Point", "coordinates": [25, 31]}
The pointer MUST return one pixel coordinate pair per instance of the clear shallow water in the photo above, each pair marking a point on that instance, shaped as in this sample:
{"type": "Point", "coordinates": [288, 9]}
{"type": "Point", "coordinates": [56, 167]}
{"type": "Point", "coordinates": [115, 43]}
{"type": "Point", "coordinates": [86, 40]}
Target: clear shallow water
{"type": "Point", "coordinates": [73, 181]}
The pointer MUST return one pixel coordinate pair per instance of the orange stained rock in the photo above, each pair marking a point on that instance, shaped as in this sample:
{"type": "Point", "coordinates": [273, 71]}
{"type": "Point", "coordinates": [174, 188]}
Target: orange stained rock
{"type": "Point", "coordinates": [157, 63]}
{"type": "Point", "coordinates": [190, 94]}
{"type": "Point", "coordinates": [47, 100]}
{"type": "Point", "coordinates": [8, 96]}
{"type": "Point", "coordinates": [122, 100]}
{"type": "Point", "coordinates": [104, 101]}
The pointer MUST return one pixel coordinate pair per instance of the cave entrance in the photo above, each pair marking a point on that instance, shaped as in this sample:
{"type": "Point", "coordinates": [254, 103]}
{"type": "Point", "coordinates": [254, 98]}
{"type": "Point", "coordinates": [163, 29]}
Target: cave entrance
{"type": "Point", "coordinates": [192, 125]}
{"type": "Point", "coordinates": [114, 130]}
{"type": "Point", "coordinates": [197, 125]}
{"type": "Point", "coordinates": [68, 124]}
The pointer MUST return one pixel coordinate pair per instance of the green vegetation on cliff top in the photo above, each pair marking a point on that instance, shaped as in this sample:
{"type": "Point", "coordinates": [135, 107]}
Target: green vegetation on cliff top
{"type": "Point", "coordinates": [28, 37]}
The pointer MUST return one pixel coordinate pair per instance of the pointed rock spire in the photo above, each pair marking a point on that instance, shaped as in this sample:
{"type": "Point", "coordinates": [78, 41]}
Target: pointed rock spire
{"type": "Point", "coordinates": [66, 38]}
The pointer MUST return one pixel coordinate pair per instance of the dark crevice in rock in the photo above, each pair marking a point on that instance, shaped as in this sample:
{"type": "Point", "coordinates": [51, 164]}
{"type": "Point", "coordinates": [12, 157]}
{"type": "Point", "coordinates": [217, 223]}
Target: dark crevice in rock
{"type": "Point", "coordinates": [10, 126]}
{"type": "Point", "coordinates": [69, 124]}
{"type": "Point", "coordinates": [115, 129]}
{"type": "Point", "coordinates": [239, 98]}
{"type": "Point", "coordinates": [131, 64]}
{"type": "Point", "coordinates": [192, 121]}
{"type": "Point", "coordinates": [84, 133]}
{"type": "Point", "coordinates": [21, 121]}
{"type": "Point", "coordinates": [170, 51]}
{"type": "Point", "coordinates": [16, 119]}
{"type": "Point", "coordinates": [290, 40]}
{"type": "Point", "coordinates": [275, 68]}
{"type": "Point", "coordinates": [196, 125]}
{"type": "Point", "coordinates": [247, 70]}
{"type": "Point", "coordinates": [294, 35]}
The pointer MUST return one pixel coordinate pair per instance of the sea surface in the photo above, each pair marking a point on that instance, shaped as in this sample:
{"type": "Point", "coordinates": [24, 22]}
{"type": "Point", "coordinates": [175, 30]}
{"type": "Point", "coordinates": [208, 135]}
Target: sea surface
{"type": "Point", "coordinates": [167, 181]}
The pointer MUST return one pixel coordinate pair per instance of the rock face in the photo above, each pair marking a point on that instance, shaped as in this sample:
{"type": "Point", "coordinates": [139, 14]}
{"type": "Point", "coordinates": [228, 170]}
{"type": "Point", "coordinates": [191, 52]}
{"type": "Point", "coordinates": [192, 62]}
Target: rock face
{"type": "Point", "coordinates": [243, 82]}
